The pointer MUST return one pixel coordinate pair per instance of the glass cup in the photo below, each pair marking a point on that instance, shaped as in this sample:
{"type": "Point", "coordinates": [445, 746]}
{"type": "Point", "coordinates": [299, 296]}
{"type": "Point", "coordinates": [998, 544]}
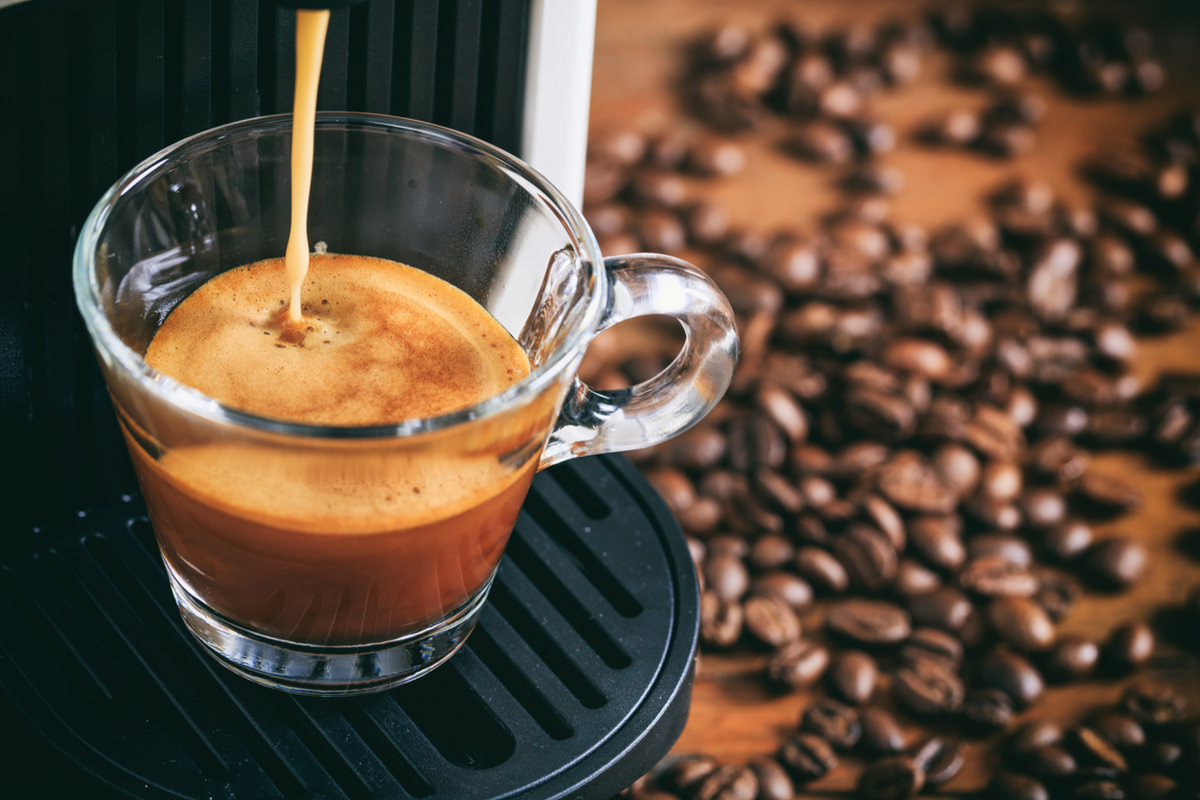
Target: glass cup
{"type": "Point", "coordinates": [325, 559]}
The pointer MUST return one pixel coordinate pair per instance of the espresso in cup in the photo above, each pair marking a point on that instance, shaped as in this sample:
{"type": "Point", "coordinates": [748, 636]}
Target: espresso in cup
{"type": "Point", "coordinates": [317, 546]}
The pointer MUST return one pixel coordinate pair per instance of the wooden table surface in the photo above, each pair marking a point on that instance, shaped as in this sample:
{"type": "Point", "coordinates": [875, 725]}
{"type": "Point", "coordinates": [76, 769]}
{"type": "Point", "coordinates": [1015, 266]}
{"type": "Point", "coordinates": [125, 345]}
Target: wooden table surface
{"type": "Point", "coordinates": [639, 57]}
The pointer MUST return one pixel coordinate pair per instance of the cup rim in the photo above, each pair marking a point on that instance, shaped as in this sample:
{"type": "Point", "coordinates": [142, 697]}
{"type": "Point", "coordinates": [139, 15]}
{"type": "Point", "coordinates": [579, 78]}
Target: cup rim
{"type": "Point", "coordinates": [188, 399]}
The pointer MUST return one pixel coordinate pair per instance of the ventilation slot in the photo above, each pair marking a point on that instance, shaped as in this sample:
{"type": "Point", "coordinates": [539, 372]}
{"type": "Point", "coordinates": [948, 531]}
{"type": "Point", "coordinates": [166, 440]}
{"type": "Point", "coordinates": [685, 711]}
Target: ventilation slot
{"type": "Point", "coordinates": [439, 703]}
{"type": "Point", "coordinates": [161, 704]}
{"type": "Point", "coordinates": [386, 749]}
{"type": "Point", "coordinates": [518, 684]}
{"type": "Point", "coordinates": [517, 615]}
{"type": "Point", "coordinates": [585, 497]}
{"type": "Point", "coordinates": [315, 733]}
{"type": "Point", "coordinates": [179, 644]}
{"type": "Point", "coordinates": [563, 599]}
{"type": "Point", "coordinates": [584, 559]}
{"type": "Point", "coordinates": [37, 622]}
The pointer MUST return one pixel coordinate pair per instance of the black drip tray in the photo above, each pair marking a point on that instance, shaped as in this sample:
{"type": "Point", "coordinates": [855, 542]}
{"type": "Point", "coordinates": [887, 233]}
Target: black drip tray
{"type": "Point", "coordinates": [575, 682]}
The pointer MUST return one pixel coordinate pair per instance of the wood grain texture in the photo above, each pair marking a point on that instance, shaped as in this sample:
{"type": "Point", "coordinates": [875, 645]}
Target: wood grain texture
{"type": "Point", "coordinates": [637, 63]}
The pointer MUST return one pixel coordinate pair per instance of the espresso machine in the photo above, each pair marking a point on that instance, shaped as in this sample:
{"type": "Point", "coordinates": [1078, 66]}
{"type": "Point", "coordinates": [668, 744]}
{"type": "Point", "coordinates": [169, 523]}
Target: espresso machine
{"type": "Point", "coordinates": [577, 679]}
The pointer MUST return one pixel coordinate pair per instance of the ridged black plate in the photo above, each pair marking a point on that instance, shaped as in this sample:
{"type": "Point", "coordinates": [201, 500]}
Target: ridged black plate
{"type": "Point", "coordinates": [575, 682]}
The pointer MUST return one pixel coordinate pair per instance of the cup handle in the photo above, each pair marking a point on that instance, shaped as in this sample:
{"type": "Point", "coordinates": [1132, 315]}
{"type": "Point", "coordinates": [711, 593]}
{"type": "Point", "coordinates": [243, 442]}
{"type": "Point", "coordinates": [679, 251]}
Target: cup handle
{"type": "Point", "coordinates": [593, 421]}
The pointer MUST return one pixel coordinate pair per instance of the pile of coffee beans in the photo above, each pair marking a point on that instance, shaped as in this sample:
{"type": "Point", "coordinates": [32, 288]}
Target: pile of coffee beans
{"type": "Point", "coordinates": [1142, 748]}
{"type": "Point", "coordinates": [736, 80]}
{"type": "Point", "coordinates": [1088, 55]}
{"type": "Point", "coordinates": [895, 502]}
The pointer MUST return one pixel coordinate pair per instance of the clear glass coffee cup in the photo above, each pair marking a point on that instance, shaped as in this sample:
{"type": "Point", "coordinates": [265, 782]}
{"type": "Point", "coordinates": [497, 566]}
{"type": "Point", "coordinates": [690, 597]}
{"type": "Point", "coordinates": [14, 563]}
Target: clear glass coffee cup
{"type": "Point", "coordinates": [327, 559]}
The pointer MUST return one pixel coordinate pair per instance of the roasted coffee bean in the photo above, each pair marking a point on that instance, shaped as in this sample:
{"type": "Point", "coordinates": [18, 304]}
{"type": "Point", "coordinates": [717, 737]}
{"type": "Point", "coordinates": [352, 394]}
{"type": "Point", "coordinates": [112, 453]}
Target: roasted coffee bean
{"type": "Point", "coordinates": [1057, 592]}
{"type": "Point", "coordinates": [996, 576]}
{"type": "Point", "coordinates": [958, 128]}
{"type": "Point", "coordinates": [1000, 64]}
{"type": "Point", "coordinates": [1006, 139]}
{"type": "Point", "coordinates": [932, 643]}
{"type": "Point", "coordinates": [1050, 761]}
{"type": "Point", "coordinates": [793, 590]}
{"type": "Point", "coordinates": [1152, 786]}
{"type": "Point", "coordinates": [1164, 755]}
{"type": "Point", "coordinates": [988, 710]}
{"type": "Point", "coordinates": [662, 231]}
{"type": "Point", "coordinates": [685, 773]}
{"type": "Point", "coordinates": [726, 575]}
{"type": "Point", "coordinates": [716, 156]}
{"type": "Point", "coordinates": [946, 608]}
{"type": "Point", "coordinates": [720, 621]}
{"type": "Point", "coordinates": [885, 517]}
{"type": "Point", "coordinates": [807, 756]}
{"type": "Point", "coordinates": [726, 545]}
{"type": "Point", "coordinates": [1129, 646]}
{"type": "Point", "coordinates": [1007, 547]}
{"type": "Point", "coordinates": [1071, 657]}
{"type": "Point", "coordinates": [852, 675]}
{"type": "Point", "coordinates": [674, 487]}
{"type": "Point", "coordinates": [824, 572]}
{"type": "Point", "coordinates": [773, 780]}
{"type": "Point", "coordinates": [867, 555]}
{"type": "Point", "coordinates": [781, 406]}
{"type": "Point", "coordinates": [797, 665]}
{"type": "Point", "coordinates": [869, 622]}
{"type": "Point", "coordinates": [891, 778]}
{"type": "Point", "coordinates": [699, 448]}
{"type": "Point", "coordinates": [1120, 729]}
{"type": "Point", "coordinates": [1153, 704]}
{"type": "Point", "coordinates": [1012, 786]}
{"type": "Point", "coordinates": [1092, 749]}
{"type": "Point", "coordinates": [913, 579]}
{"type": "Point", "coordinates": [1001, 481]}
{"type": "Point", "coordinates": [937, 540]}
{"type": "Point", "coordinates": [1058, 457]}
{"type": "Point", "coordinates": [1116, 563]}
{"type": "Point", "coordinates": [910, 481]}
{"type": "Point", "coordinates": [821, 142]}
{"type": "Point", "coordinates": [654, 188]}
{"type": "Point", "coordinates": [811, 529]}
{"type": "Point", "coordinates": [928, 687]}
{"type": "Point", "coordinates": [770, 551]}
{"type": "Point", "coordinates": [1022, 623]}
{"type": "Point", "coordinates": [974, 630]}
{"type": "Point", "coordinates": [701, 517]}
{"type": "Point", "coordinates": [1013, 675]}
{"type": "Point", "coordinates": [818, 492]}
{"type": "Point", "coordinates": [998, 515]}
{"type": "Point", "coordinates": [1067, 540]}
{"type": "Point", "coordinates": [1107, 494]}
{"type": "Point", "coordinates": [958, 467]}
{"type": "Point", "coordinates": [728, 782]}
{"type": "Point", "coordinates": [1043, 508]}
{"type": "Point", "coordinates": [1163, 313]}
{"type": "Point", "coordinates": [871, 136]}
{"type": "Point", "coordinates": [1098, 790]}
{"type": "Point", "coordinates": [706, 221]}
{"type": "Point", "coordinates": [881, 734]}
{"type": "Point", "coordinates": [835, 722]}
{"type": "Point", "coordinates": [770, 620]}
{"type": "Point", "coordinates": [1031, 736]}
{"type": "Point", "coordinates": [885, 416]}
{"type": "Point", "coordinates": [873, 179]}
{"type": "Point", "coordinates": [796, 264]}
{"type": "Point", "coordinates": [940, 758]}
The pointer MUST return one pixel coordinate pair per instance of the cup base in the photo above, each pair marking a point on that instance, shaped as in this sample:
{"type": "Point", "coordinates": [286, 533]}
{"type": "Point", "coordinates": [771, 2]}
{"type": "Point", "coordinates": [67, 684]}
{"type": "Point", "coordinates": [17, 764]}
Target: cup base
{"type": "Point", "coordinates": [326, 669]}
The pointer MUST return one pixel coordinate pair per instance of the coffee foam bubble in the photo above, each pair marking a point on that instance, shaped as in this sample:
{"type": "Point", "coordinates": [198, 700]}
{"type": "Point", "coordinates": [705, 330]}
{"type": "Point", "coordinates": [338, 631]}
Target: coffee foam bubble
{"type": "Point", "coordinates": [382, 343]}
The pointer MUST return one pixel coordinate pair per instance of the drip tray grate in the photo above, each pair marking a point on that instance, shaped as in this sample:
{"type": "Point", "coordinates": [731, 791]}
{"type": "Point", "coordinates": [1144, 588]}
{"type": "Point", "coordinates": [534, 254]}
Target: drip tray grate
{"type": "Point", "coordinates": [575, 682]}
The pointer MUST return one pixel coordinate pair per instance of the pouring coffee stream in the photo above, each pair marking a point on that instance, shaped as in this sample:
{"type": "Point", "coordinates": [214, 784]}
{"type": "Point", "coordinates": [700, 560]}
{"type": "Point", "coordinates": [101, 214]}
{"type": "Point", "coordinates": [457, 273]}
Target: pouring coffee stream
{"type": "Point", "coordinates": [311, 26]}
